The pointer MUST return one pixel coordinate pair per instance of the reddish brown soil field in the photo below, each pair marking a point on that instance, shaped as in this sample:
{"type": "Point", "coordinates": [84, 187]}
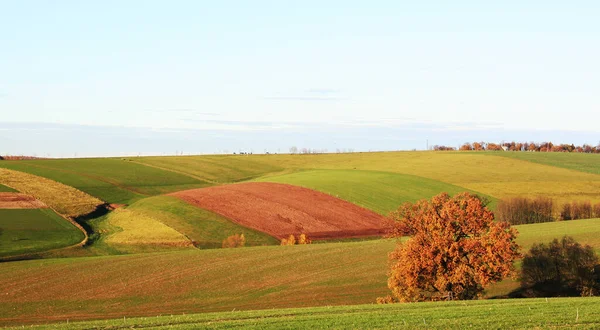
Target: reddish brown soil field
{"type": "Point", "coordinates": [19, 201]}
{"type": "Point", "coordinates": [280, 210]}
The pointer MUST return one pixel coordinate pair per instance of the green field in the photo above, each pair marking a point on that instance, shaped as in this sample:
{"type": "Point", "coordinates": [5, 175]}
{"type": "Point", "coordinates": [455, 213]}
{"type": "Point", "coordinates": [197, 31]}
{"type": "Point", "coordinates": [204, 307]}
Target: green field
{"type": "Point", "coordinates": [381, 192]}
{"type": "Point", "coordinates": [6, 189]}
{"type": "Point", "coordinates": [25, 231]}
{"type": "Point", "coordinates": [589, 163]}
{"type": "Point", "coordinates": [581, 313]}
{"type": "Point", "coordinates": [111, 179]}
{"type": "Point", "coordinates": [219, 279]}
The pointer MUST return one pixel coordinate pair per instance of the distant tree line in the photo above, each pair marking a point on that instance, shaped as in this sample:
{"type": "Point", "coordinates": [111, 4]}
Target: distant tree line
{"type": "Point", "coordinates": [520, 210]}
{"type": "Point", "coordinates": [8, 157]}
{"type": "Point", "coordinates": [522, 146]}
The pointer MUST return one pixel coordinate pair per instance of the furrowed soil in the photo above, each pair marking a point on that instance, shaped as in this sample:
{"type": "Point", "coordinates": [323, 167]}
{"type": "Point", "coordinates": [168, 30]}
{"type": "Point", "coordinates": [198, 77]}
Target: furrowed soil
{"type": "Point", "coordinates": [280, 210]}
{"type": "Point", "coordinates": [19, 201]}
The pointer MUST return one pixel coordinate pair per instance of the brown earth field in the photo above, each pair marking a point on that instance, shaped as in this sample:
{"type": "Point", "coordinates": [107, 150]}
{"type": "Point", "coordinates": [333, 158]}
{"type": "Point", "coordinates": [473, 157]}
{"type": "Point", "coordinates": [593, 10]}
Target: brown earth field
{"type": "Point", "coordinates": [280, 210]}
{"type": "Point", "coordinates": [19, 201]}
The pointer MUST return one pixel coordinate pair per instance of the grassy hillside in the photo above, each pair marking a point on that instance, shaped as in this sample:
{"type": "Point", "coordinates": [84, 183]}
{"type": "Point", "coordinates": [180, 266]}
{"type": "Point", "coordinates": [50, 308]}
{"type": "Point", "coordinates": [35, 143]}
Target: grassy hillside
{"type": "Point", "coordinates": [489, 314]}
{"type": "Point", "coordinates": [110, 179]}
{"type": "Point", "coordinates": [381, 192]}
{"type": "Point", "coordinates": [6, 189]}
{"type": "Point", "coordinates": [66, 200]}
{"type": "Point", "coordinates": [34, 230]}
{"type": "Point", "coordinates": [218, 279]}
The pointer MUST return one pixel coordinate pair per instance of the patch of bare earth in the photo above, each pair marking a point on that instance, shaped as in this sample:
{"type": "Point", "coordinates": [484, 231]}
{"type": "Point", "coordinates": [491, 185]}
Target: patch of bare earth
{"type": "Point", "coordinates": [280, 210]}
{"type": "Point", "coordinates": [10, 200]}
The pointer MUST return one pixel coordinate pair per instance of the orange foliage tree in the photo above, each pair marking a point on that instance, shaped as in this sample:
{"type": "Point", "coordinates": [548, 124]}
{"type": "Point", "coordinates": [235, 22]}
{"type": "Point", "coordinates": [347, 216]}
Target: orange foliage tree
{"type": "Point", "coordinates": [456, 249]}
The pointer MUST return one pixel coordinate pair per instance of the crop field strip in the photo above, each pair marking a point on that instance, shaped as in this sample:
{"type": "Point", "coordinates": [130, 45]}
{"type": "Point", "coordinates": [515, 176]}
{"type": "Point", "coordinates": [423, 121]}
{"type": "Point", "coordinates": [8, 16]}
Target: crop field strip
{"type": "Point", "coordinates": [218, 279]}
{"type": "Point", "coordinates": [27, 231]}
{"type": "Point", "coordinates": [281, 210]}
{"type": "Point", "coordinates": [488, 314]}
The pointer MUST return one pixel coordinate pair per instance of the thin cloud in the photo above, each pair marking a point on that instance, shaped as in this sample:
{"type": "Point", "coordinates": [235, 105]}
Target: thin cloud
{"type": "Point", "coordinates": [302, 98]}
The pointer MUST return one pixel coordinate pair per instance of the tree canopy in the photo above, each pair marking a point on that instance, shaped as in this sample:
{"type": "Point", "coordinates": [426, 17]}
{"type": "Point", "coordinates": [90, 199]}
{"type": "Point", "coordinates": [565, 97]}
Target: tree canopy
{"type": "Point", "coordinates": [456, 249]}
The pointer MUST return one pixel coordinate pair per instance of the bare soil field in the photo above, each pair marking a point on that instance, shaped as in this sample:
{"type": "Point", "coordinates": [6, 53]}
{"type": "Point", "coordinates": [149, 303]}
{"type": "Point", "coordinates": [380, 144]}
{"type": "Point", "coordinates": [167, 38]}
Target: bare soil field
{"type": "Point", "coordinates": [280, 210]}
{"type": "Point", "coordinates": [19, 201]}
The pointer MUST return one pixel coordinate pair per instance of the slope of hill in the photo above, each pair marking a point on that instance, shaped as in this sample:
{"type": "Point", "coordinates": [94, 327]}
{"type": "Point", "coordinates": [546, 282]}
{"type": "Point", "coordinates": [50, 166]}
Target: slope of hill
{"type": "Point", "coordinates": [218, 279]}
{"type": "Point", "coordinates": [381, 192]}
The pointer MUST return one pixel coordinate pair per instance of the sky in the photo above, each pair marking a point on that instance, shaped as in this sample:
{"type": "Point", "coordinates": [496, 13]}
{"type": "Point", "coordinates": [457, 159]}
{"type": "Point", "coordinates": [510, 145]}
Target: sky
{"type": "Point", "coordinates": [101, 78]}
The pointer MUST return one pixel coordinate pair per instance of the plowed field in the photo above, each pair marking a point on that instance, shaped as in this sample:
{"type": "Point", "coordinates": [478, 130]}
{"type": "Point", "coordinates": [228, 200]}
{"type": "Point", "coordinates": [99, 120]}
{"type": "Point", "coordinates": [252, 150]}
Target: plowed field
{"type": "Point", "coordinates": [280, 210]}
{"type": "Point", "coordinates": [19, 201]}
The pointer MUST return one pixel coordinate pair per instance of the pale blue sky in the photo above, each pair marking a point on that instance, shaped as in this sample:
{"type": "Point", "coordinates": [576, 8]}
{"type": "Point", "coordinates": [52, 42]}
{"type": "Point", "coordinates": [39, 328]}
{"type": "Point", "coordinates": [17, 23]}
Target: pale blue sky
{"type": "Point", "coordinates": [208, 76]}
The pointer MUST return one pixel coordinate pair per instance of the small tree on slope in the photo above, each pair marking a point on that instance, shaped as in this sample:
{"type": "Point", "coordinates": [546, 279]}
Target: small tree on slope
{"type": "Point", "coordinates": [456, 249]}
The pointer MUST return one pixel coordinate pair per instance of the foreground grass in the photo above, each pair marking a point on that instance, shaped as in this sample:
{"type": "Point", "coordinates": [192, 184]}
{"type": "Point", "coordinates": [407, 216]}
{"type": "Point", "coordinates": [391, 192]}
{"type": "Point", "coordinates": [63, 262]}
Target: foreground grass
{"type": "Point", "coordinates": [34, 230]}
{"type": "Point", "coordinates": [113, 180]}
{"type": "Point", "coordinates": [193, 281]}
{"type": "Point", "coordinates": [66, 200]}
{"type": "Point", "coordinates": [491, 314]}
{"type": "Point", "coordinates": [381, 192]}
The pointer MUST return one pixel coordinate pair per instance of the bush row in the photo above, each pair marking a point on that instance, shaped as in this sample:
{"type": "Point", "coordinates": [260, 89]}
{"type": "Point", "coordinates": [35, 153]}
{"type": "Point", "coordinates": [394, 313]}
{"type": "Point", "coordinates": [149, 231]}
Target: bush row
{"type": "Point", "coordinates": [520, 210]}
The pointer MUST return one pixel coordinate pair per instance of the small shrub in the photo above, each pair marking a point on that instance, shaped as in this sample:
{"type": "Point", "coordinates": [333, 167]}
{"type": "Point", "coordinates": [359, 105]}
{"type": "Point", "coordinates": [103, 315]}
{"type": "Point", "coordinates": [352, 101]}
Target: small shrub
{"type": "Point", "coordinates": [234, 241]}
{"type": "Point", "coordinates": [565, 213]}
{"type": "Point", "coordinates": [292, 240]}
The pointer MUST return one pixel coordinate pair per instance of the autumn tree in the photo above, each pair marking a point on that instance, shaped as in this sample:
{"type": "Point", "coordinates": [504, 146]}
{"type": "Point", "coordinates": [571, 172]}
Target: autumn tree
{"type": "Point", "coordinates": [456, 249]}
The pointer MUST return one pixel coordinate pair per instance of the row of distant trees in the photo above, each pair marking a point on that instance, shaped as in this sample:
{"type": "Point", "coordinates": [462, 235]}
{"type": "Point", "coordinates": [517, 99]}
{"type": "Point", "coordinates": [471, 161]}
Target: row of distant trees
{"type": "Point", "coordinates": [7, 157]}
{"type": "Point", "coordinates": [522, 146]}
{"type": "Point", "coordinates": [521, 210]}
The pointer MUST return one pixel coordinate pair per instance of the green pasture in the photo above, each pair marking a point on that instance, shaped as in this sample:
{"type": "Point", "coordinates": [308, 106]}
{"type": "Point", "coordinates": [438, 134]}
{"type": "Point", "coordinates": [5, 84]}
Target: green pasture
{"type": "Point", "coordinates": [580, 313]}
{"type": "Point", "coordinates": [381, 192]}
{"type": "Point", "coordinates": [6, 189]}
{"type": "Point", "coordinates": [25, 231]}
{"type": "Point", "coordinates": [192, 281]}
{"type": "Point", "coordinates": [113, 180]}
